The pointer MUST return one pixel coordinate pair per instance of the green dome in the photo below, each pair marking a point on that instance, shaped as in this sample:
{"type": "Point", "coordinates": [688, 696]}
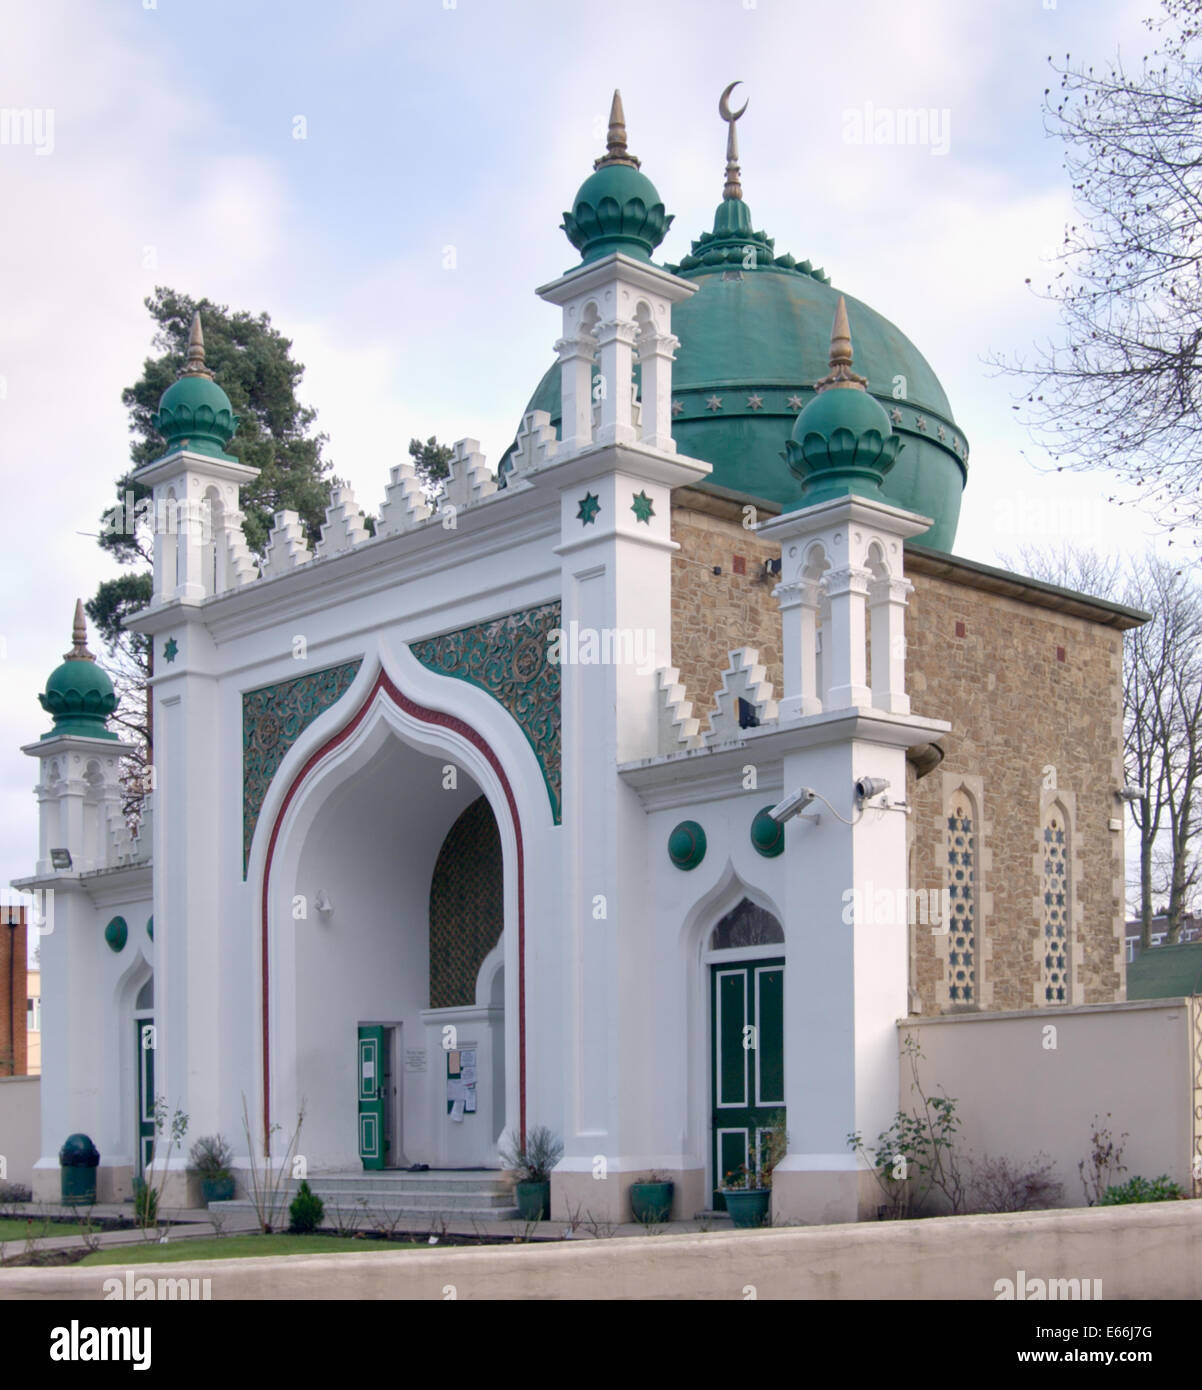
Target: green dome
{"type": "Point", "coordinates": [79, 693]}
{"type": "Point", "coordinates": [754, 339]}
{"type": "Point", "coordinates": [194, 412]}
{"type": "Point", "coordinates": [617, 209]}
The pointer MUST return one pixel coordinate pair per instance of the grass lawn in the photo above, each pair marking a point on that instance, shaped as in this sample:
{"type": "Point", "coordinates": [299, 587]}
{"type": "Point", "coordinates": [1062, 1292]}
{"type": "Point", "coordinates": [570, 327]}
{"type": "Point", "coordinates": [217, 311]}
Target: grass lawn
{"type": "Point", "coordinates": [17, 1228]}
{"type": "Point", "coordinates": [239, 1247]}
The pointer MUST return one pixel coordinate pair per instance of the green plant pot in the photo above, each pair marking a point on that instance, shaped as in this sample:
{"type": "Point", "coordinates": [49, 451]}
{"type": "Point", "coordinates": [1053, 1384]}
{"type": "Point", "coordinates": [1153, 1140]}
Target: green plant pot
{"type": "Point", "coordinates": [534, 1200]}
{"type": "Point", "coordinates": [651, 1201]}
{"type": "Point", "coordinates": [78, 1186]}
{"type": "Point", "coordinates": [748, 1207]}
{"type": "Point", "coordinates": [216, 1189]}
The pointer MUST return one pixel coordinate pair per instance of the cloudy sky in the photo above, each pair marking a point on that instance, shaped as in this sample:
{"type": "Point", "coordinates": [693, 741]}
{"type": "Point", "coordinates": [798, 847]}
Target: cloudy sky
{"type": "Point", "coordinates": [166, 152]}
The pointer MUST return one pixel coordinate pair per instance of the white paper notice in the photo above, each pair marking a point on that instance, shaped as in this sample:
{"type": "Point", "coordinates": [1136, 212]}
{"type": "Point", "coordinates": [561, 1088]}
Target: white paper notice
{"type": "Point", "coordinates": [468, 1076]}
{"type": "Point", "coordinates": [454, 1090]}
{"type": "Point", "coordinates": [457, 1112]}
{"type": "Point", "coordinates": [469, 1101]}
{"type": "Point", "coordinates": [415, 1059]}
{"type": "Point", "coordinates": [467, 1058]}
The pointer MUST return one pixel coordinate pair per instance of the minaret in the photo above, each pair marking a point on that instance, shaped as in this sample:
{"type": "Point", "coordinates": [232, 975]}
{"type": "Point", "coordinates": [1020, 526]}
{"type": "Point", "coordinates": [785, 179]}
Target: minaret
{"type": "Point", "coordinates": [614, 477]}
{"type": "Point", "coordinates": [79, 798]}
{"type": "Point", "coordinates": [842, 563]}
{"type": "Point", "coordinates": [194, 485]}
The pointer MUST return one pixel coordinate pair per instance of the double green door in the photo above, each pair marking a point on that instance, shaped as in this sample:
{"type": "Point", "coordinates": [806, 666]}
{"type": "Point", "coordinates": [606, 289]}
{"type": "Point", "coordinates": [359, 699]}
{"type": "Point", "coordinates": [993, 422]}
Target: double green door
{"type": "Point", "coordinates": [747, 1012]}
{"type": "Point", "coordinates": [144, 1060]}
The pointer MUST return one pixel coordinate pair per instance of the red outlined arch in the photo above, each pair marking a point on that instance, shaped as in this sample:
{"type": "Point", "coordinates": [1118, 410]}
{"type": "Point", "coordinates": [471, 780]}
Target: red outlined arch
{"type": "Point", "coordinates": [426, 716]}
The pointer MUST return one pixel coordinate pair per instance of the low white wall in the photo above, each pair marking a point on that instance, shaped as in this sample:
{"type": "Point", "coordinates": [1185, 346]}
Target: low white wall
{"type": "Point", "coordinates": [1152, 1251]}
{"type": "Point", "coordinates": [1032, 1081]}
{"type": "Point", "coordinates": [20, 1127]}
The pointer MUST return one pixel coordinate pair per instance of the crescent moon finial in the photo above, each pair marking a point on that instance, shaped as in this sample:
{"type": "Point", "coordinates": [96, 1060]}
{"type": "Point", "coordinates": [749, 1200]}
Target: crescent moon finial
{"type": "Point", "coordinates": [733, 188]}
{"type": "Point", "coordinates": [724, 104]}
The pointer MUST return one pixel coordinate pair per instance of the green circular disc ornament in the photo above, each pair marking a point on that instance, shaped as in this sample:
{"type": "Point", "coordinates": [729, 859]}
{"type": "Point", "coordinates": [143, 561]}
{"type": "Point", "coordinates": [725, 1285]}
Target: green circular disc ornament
{"type": "Point", "coordinates": [150, 927]}
{"type": "Point", "coordinates": [686, 845]}
{"type": "Point", "coordinates": [116, 934]}
{"type": "Point", "coordinates": [767, 837]}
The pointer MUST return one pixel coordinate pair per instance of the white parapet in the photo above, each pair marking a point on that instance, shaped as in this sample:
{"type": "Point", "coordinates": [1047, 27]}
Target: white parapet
{"type": "Point", "coordinates": [677, 727]}
{"type": "Point", "coordinates": [744, 679]}
{"type": "Point", "coordinates": [344, 528]}
{"type": "Point", "coordinates": [287, 548]}
{"type": "Point", "coordinates": [405, 506]}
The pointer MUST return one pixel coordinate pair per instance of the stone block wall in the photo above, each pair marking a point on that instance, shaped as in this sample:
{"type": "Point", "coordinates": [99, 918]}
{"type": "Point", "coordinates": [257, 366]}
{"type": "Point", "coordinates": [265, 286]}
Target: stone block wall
{"type": "Point", "coordinates": [1032, 686]}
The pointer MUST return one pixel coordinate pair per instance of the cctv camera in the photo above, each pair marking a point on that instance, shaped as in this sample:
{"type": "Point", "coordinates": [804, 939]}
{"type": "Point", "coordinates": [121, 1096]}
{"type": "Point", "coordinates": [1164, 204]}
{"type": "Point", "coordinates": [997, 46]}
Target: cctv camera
{"type": "Point", "coordinates": [868, 787]}
{"type": "Point", "coordinates": [792, 805]}
{"type": "Point", "coordinates": [1131, 792]}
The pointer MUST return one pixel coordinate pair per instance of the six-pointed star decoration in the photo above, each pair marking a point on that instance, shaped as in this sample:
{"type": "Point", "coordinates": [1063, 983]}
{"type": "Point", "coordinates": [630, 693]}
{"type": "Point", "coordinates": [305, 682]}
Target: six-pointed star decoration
{"type": "Point", "coordinates": [714, 403]}
{"type": "Point", "coordinates": [755, 402]}
{"type": "Point", "coordinates": [589, 507]}
{"type": "Point", "coordinates": [642, 508]}
{"type": "Point", "coordinates": [794, 402]}
{"type": "Point", "coordinates": [170, 649]}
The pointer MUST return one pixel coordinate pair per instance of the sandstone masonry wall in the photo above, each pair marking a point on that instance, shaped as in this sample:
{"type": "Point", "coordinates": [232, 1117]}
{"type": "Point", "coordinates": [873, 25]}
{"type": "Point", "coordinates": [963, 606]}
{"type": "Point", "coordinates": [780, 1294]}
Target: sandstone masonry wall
{"type": "Point", "coordinates": [1034, 696]}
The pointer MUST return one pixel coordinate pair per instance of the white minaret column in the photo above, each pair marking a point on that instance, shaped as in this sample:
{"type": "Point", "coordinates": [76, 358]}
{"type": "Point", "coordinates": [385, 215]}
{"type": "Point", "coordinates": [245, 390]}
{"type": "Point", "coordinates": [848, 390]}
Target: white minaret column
{"type": "Point", "coordinates": [577, 354]}
{"type": "Point", "coordinates": [194, 498]}
{"type": "Point", "coordinates": [847, 973]}
{"type": "Point", "coordinates": [615, 551]}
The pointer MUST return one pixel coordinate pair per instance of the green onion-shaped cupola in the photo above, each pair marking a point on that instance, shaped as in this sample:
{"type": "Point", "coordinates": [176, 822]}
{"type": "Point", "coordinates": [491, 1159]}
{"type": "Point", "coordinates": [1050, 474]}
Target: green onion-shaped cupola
{"type": "Point", "coordinates": [842, 441]}
{"type": "Point", "coordinates": [79, 694]}
{"type": "Point", "coordinates": [617, 208]}
{"type": "Point", "coordinates": [194, 412]}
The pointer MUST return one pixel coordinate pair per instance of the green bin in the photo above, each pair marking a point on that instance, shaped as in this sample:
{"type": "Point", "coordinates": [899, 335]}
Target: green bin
{"type": "Point", "coordinates": [78, 1159]}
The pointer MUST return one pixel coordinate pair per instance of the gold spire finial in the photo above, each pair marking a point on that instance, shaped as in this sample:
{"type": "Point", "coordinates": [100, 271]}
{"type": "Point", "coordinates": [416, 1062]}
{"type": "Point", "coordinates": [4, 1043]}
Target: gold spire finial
{"type": "Point", "coordinates": [615, 141]}
{"type": "Point", "coordinates": [195, 365]}
{"type": "Point", "coordinates": [79, 637]}
{"type": "Point", "coordinates": [733, 188]}
{"type": "Point", "coordinates": [841, 373]}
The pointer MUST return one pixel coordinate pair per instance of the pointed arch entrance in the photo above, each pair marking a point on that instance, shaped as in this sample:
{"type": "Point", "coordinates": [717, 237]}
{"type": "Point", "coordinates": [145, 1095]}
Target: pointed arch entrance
{"type": "Point", "coordinates": [344, 927]}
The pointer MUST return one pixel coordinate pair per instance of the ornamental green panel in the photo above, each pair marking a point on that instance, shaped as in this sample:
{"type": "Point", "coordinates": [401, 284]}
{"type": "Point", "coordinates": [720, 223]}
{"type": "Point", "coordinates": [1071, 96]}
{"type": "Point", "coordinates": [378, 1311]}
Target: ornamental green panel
{"type": "Point", "coordinates": [371, 1097]}
{"type": "Point", "coordinates": [144, 1041]}
{"type": "Point", "coordinates": [770, 1019]}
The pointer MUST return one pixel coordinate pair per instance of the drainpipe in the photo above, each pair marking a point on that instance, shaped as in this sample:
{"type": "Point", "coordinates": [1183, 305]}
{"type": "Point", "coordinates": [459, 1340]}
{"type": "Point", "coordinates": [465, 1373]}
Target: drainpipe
{"type": "Point", "coordinates": [14, 921]}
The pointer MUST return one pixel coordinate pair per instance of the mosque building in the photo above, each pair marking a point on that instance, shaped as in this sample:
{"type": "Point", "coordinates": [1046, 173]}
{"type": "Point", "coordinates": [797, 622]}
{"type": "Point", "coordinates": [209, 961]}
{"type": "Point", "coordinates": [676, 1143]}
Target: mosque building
{"type": "Point", "coordinates": [461, 822]}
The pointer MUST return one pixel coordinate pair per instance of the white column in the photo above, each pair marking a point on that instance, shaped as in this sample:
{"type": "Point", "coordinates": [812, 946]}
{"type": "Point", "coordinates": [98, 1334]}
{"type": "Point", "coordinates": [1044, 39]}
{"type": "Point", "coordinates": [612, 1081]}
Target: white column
{"type": "Point", "coordinates": [576, 357]}
{"type": "Point", "coordinates": [616, 338]}
{"type": "Point", "coordinates": [887, 611]}
{"type": "Point", "coordinates": [656, 354]}
{"type": "Point", "coordinates": [799, 640]}
{"type": "Point", "coordinates": [844, 650]}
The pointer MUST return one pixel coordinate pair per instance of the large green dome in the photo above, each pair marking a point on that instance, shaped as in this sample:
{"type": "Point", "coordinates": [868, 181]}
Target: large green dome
{"type": "Point", "coordinates": [755, 341]}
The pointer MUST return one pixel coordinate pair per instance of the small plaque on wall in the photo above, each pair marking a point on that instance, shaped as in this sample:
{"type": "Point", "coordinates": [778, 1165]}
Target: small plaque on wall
{"type": "Point", "coordinates": [415, 1059]}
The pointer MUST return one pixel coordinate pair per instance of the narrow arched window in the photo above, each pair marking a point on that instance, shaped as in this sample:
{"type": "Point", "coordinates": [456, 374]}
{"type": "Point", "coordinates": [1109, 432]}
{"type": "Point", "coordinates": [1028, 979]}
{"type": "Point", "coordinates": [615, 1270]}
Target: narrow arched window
{"type": "Point", "coordinates": [1055, 911]}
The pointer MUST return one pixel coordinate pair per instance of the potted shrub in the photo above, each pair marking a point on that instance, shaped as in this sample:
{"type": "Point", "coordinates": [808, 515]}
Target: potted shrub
{"type": "Point", "coordinates": [210, 1160]}
{"type": "Point", "coordinates": [748, 1193]}
{"type": "Point", "coordinates": [651, 1199]}
{"type": "Point", "coordinates": [532, 1161]}
{"type": "Point", "coordinates": [78, 1160]}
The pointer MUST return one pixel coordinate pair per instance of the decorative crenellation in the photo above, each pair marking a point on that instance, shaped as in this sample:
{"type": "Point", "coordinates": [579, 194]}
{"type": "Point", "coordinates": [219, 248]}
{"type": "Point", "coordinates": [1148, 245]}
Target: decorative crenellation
{"type": "Point", "coordinates": [744, 679]}
{"type": "Point", "coordinates": [677, 727]}
{"type": "Point", "coordinates": [125, 847]}
{"type": "Point", "coordinates": [534, 448]}
{"type": "Point", "coordinates": [405, 506]}
{"type": "Point", "coordinates": [469, 480]}
{"type": "Point", "coordinates": [287, 548]}
{"type": "Point", "coordinates": [344, 528]}
{"type": "Point", "coordinates": [237, 563]}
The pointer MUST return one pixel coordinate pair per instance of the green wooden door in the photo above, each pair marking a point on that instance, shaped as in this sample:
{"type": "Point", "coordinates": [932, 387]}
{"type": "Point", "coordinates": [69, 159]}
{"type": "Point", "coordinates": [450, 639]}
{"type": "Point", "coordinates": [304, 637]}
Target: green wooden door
{"type": "Point", "coordinates": [371, 1097]}
{"type": "Point", "coordinates": [144, 1040]}
{"type": "Point", "coordinates": [748, 1063]}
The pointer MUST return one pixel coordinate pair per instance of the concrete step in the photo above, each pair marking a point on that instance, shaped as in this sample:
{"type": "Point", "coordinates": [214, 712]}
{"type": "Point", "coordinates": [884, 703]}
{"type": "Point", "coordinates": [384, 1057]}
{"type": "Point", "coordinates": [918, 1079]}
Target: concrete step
{"type": "Point", "coordinates": [393, 1193]}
